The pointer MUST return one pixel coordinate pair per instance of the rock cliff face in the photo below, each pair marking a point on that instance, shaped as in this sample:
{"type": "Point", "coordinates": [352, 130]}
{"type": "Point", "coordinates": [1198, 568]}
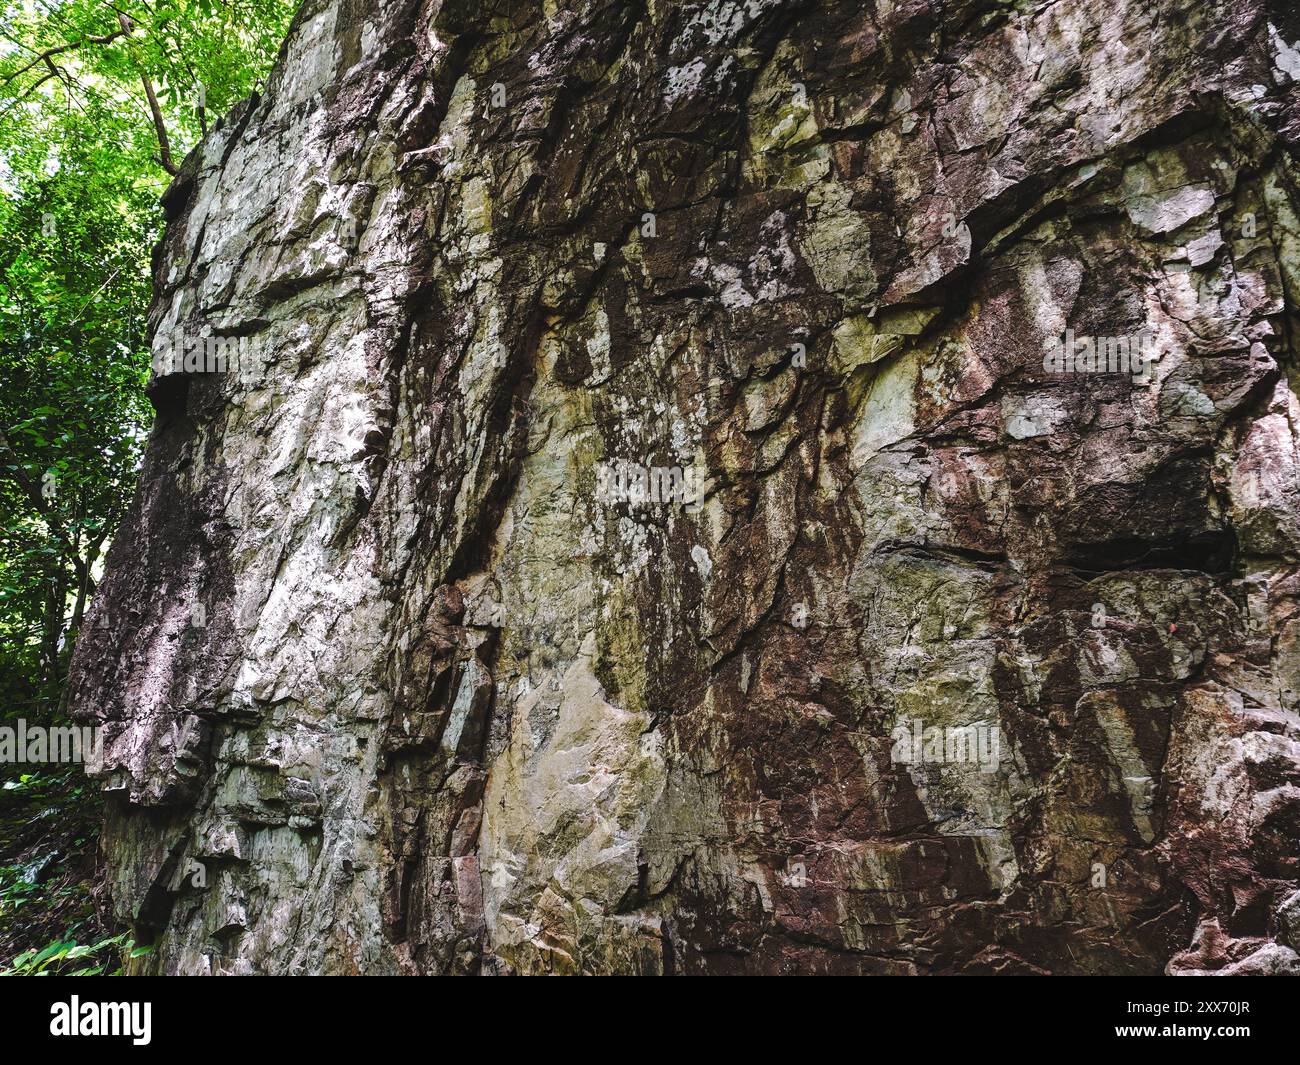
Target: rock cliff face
{"type": "Point", "coordinates": [722, 486]}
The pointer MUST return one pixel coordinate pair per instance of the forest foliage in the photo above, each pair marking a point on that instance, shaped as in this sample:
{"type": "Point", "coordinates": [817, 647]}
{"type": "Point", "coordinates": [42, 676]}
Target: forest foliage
{"type": "Point", "coordinates": [99, 104]}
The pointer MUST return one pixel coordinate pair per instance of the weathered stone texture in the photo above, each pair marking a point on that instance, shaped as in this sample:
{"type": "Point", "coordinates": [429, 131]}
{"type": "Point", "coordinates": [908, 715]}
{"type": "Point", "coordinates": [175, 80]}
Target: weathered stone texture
{"type": "Point", "coordinates": [451, 709]}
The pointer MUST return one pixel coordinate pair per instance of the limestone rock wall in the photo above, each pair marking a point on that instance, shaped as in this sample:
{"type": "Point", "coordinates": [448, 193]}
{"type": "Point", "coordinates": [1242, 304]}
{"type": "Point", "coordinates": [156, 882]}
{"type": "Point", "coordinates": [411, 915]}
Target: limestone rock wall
{"type": "Point", "coordinates": [939, 660]}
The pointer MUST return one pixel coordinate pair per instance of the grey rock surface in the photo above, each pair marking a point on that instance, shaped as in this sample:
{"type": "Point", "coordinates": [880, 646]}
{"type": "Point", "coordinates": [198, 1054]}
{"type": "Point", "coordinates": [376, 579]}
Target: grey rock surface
{"type": "Point", "coordinates": [646, 521]}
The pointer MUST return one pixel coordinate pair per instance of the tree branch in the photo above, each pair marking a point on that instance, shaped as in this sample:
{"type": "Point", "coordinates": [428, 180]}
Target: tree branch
{"type": "Point", "coordinates": [53, 72]}
{"type": "Point", "coordinates": [34, 496]}
{"type": "Point", "coordinates": [125, 29]}
{"type": "Point", "coordinates": [160, 127]}
{"type": "Point", "coordinates": [49, 53]}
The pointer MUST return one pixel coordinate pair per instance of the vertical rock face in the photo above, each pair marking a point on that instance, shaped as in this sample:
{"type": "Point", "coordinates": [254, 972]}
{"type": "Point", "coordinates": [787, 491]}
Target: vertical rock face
{"type": "Point", "coordinates": [722, 487]}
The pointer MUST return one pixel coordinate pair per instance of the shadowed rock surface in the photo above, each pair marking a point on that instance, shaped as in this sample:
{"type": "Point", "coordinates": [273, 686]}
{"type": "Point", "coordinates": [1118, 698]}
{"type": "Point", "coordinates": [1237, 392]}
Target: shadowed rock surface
{"type": "Point", "coordinates": [392, 681]}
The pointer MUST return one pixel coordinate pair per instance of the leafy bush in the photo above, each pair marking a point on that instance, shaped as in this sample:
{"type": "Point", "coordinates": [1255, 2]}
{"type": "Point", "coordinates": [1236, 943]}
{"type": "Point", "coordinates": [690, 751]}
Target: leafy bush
{"type": "Point", "coordinates": [58, 958]}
